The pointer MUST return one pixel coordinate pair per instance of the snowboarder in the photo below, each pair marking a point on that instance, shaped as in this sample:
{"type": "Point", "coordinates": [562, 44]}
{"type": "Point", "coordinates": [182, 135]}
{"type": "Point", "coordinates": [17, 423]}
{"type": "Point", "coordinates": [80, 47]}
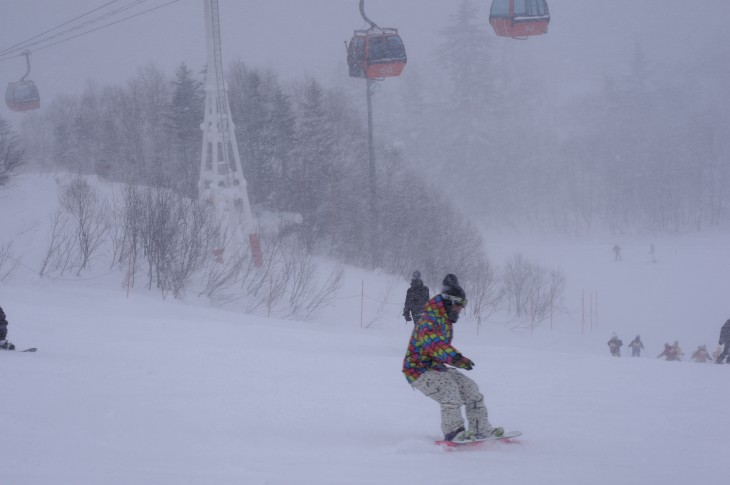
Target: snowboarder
{"type": "Point", "coordinates": [4, 343]}
{"type": "Point", "coordinates": [701, 355]}
{"type": "Point", "coordinates": [724, 340]}
{"type": "Point", "coordinates": [617, 252]}
{"type": "Point", "coordinates": [614, 345]}
{"type": "Point", "coordinates": [636, 347]}
{"type": "Point", "coordinates": [669, 353]}
{"type": "Point", "coordinates": [416, 298]}
{"type": "Point", "coordinates": [425, 367]}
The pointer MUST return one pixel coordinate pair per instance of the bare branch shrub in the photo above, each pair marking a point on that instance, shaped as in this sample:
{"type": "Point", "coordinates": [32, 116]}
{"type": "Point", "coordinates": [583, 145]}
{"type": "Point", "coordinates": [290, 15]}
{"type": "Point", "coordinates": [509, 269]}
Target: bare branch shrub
{"type": "Point", "coordinates": [485, 294]}
{"type": "Point", "coordinates": [286, 285]}
{"type": "Point", "coordinates": [175, 236]}
{"type": "Point", "coordinates": [8, 263]}
{"type": "Point", "coordinates": [531, 290]}
{"type": "Point", "coordinates": [60, 253]}
{"type": "Point", "coordinates": [90, 217]}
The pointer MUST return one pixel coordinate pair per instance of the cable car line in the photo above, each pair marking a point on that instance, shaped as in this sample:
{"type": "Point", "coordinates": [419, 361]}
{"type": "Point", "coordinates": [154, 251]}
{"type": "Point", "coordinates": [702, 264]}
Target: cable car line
{"type": "Point", "coordinates": [20, 44]}
{"type": "Point", "coordinates": [7, 55]}
{"type": "Point", "coordinates": [85, 24]}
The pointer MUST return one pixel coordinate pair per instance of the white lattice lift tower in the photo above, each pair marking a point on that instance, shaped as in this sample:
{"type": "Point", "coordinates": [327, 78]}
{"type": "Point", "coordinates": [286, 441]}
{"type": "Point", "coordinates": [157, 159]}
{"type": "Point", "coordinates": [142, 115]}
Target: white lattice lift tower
{"type": "Point", "coordinates": [221, 177]}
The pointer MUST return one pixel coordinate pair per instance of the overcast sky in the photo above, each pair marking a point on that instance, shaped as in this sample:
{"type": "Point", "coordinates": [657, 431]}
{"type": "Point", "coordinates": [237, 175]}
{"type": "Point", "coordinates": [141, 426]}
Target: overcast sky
{"type": "Point", "coordinates": [587, 38]}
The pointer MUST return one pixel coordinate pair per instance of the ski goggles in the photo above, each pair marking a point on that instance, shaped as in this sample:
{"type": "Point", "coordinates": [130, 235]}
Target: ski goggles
{"type": "Point", "coordinates": [455, 299]}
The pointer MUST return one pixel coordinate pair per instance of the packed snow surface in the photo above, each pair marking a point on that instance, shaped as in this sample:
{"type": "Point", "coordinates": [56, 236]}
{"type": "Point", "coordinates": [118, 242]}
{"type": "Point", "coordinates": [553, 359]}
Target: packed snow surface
{"type": "Point", "coordinates": [133, 389]}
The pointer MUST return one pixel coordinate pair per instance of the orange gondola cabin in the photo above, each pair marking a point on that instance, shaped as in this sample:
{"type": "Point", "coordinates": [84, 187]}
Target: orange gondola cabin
{"type": "Point", "coordinates": [519, 18]}
{"type": "Point", "coordinates": [22, 96]}
{"type": "Point", "coordinates": [376, 54]}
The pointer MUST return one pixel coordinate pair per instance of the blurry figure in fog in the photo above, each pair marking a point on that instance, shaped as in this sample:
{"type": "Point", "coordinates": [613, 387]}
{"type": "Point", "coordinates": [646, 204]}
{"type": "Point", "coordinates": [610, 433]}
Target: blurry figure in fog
{"type": "Point", "coordinates": [416, 298]}
{"type": "Point", "coordinates": [677, 350]}
{"type": "Point", "coordinates": [636, 347]}
{"type": "Point", "coordinates": [4, 343]}
{"type": "Point", "coordinates": [614, 345]}
{"type": "Point", "coordinates": [669, 353]}
{"type": "Point", "coordinates": [652, 253]}
{"type": "Point", "coordinates": [701, 355]}
{"type": "Point", "coordinates": [716, 353]}
{"type": "Point", "coordinates": [617, 252]}
{"type": "Point", "coordinates": [724, 340]}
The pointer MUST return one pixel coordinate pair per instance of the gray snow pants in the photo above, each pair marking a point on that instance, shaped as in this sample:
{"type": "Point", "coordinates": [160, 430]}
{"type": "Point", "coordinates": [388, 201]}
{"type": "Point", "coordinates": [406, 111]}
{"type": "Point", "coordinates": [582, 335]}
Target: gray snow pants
{"type": "Point", "coordinates": [452, 389]}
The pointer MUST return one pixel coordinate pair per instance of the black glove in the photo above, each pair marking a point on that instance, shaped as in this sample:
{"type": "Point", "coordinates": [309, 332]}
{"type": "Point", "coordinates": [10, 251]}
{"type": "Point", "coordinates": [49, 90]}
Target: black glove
{"type": "Point", "coordinates": [463, 363]}
{"type": "Point", "coordinates": [408, 318]}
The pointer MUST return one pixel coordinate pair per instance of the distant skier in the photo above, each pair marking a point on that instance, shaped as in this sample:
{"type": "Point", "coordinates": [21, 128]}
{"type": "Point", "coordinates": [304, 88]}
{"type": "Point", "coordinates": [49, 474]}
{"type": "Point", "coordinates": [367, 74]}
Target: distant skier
{"type": "Point", "coordinates": [614, 345]}
{"type": "Point", "coordinates": [427, 361]}
{"type": "Point", "coordinates": [669, 353]}
{"type": "Point", "coordinates": [701, 355]}
{"type": "Point", "coordinates": [4, 343]}
{"type": "Point", "coordinates": [716, 353]}
{"type": "Point", "coordinates": [652, 253]}
{"type": "Point", "coordinates": [724, 340]}
{"type": "Point", "coordinates": [636, 347]}
{"type": "Point", "coordinates": [677, 350]}
{"type": "Point", "coordinates": [416, 298]}
{"type": "Point", "coordinates": [617, 252]}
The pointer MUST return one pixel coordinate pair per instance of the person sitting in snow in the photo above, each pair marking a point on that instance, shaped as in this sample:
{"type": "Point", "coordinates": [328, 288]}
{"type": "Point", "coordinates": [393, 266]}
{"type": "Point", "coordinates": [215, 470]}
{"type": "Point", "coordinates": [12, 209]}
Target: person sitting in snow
{"type": "Point", "coordinates": [614, 345]}
{"type": "Point", "coordinates": [701, 355]}
{"type": "Point", "coordinates": [416, 298]}
{"type": "Point", "coordinates": [677, 350]}
{"type": "Point", "coordinates": [431, 365]}
{"type": "Point", "coordinates": [716, 353]}
{"type": "Point", "coordinates": [724, 340]}
{"type": "Point", "coordinates": [669, 353]}
{"type": "Point", "coordinates": [636, 347]}
{"type": "Point", "coordinates": [4, 343]}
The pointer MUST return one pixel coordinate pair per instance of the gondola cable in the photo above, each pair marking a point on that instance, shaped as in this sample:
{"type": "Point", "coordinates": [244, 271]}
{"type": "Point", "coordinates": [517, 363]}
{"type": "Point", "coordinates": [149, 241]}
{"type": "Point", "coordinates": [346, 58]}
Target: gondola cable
{"type": "Point", "coordinates": [8, 57]}
{"type": "Point", "coordinates": [21, 44]}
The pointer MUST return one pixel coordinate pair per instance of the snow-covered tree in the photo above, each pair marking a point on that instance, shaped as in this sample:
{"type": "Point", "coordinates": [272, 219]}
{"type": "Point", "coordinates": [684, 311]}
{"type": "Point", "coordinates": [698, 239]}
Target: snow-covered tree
{"type": "Point", "coordinates": [11, 154]}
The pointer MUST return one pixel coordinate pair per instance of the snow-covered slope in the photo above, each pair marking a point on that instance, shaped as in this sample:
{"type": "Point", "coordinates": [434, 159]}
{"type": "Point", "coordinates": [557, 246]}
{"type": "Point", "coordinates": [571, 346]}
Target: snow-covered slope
{"type": "Point", "coordinates": [137, 390]}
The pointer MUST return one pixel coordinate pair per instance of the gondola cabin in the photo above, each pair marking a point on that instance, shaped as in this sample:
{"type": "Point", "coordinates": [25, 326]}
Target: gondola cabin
{"type": "Point", "coordinates": [519, 18]}
{"type": "Point", "coordinates": [22, 96]}
{"type": "Point", "coordinates": [375, 54]}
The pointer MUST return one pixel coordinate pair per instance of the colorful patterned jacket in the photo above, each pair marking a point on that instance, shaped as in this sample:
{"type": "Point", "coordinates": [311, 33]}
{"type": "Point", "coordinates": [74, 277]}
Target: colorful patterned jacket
{"type": "Point", "coordinates": [430, 345]}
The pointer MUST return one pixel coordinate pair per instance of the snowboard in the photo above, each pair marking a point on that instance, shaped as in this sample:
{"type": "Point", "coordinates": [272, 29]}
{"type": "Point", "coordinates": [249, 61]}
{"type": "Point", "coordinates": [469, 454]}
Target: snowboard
{"type": "Point", "coordinates": [505, 438]}
{"type": "Point", "coordinates": [32, 349]}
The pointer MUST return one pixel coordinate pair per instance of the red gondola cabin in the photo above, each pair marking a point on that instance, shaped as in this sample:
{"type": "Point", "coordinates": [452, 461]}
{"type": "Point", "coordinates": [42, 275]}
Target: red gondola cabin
{"type": "Point", "coordinates": [519, 18]}
{"type": "Point", "coordinates": [22, 96]}
{"type": "Point", "coordinates": [376, 54]}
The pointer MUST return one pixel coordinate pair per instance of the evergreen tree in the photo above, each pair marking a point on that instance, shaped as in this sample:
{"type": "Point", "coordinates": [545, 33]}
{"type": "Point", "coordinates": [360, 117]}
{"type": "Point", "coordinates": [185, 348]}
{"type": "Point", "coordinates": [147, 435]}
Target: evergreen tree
{"type": "Point", "coordinates": [185, 113]}
{"type": "Point", "coordinates": [464, 129]}
{"type": "Point", "coordinates": [314, 153]}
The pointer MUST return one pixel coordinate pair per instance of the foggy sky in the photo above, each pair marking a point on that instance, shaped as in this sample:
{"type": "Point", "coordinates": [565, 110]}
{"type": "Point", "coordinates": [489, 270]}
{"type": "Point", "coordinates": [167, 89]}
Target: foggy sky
{"type": "Point", "coordinates": [586, 39]}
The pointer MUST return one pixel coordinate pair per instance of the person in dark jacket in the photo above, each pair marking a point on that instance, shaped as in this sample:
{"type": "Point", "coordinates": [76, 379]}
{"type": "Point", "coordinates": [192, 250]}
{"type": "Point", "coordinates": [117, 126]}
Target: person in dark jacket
{"type": "Point", "coordinates": [431, 365]}
{"type": "Point", "coordinates": [636, 347]}
{"type": "Point", "coordinates": [416, 298]}
{"type": "Point", "coordinates": [724, 340]}
{"type": "Point", "coordinates": [614, 345]}
{"type": "Point", "coordinates": [4, 343]}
